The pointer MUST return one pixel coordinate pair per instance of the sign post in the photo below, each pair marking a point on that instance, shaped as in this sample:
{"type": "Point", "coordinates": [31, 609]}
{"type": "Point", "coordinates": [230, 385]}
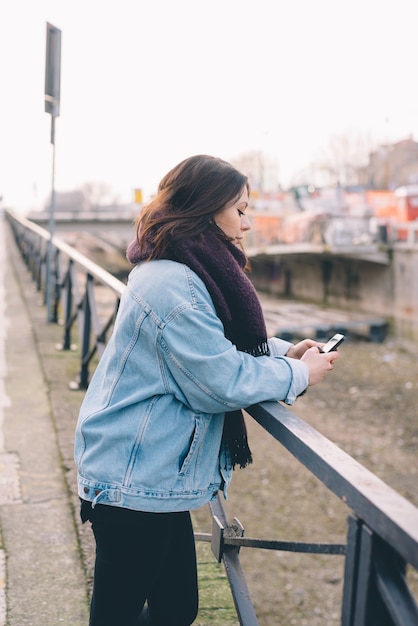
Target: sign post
{"type": "Point", "coordinates": [52, 106]}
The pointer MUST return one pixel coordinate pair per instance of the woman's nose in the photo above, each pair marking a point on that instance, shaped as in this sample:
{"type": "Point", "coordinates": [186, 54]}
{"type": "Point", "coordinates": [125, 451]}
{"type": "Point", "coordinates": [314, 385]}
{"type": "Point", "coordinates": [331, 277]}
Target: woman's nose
{"type": "Point", "coordinates": [245, 222]}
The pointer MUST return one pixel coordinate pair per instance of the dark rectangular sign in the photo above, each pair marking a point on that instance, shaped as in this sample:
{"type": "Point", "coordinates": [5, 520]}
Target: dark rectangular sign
{"type": "Point", "coordinates": [52, 70]}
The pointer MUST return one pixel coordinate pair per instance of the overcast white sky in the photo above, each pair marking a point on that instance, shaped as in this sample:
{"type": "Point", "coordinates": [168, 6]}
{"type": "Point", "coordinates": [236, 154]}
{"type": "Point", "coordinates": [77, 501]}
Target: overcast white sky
{"type": "Point", "coordinates": [145, 84]}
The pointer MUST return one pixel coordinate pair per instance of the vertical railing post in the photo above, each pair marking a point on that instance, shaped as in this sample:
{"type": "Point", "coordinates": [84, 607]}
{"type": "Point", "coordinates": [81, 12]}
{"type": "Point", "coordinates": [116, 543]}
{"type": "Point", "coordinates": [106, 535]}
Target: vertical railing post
{"type": "Point", "coordinates": [55, 285]}
{"type": "Point", "coordinates": [369, 609]}
{"type": "Point", "coordinates": [238, 585]}
{"type": "Point", "coordinates": [68, 306]}
{"type": "Point", "coordinates": [85, 335]}
{"type": "Point", "coordinates": [350, 571]}
{"type": "Point", "coordinates": [37, 246]}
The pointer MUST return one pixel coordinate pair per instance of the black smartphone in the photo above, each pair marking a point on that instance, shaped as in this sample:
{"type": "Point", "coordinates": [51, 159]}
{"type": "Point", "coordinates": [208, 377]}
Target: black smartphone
{"type": "Point", "coordinates": [333, 343]}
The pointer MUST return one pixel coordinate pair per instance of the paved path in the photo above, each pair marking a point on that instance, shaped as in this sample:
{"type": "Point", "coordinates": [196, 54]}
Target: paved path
{"type": "Point", "coordinates": [42, 580]}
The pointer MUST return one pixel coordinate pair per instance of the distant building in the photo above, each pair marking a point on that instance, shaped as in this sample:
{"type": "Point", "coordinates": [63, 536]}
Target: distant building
{"type": "Point", "coordinates": [70, 201]}
{"type": "Point", "coordinates": [391, 166]}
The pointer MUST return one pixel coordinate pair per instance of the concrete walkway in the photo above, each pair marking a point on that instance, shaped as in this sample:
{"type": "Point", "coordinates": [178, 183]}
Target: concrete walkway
{"type": "Point", "coordinates": [42, 580]}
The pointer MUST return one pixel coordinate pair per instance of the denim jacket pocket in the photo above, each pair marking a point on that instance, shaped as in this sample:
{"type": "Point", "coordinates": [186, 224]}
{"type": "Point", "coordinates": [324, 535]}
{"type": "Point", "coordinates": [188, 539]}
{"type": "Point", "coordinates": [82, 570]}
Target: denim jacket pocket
{"type": "Point", "coordinates": [186, 461]}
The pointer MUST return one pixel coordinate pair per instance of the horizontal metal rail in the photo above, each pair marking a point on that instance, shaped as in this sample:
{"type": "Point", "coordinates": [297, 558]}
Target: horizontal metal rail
{"type": "Point", "coordinates": [272, 544]}
{"type": "Point", "coordinates": [382, 529]}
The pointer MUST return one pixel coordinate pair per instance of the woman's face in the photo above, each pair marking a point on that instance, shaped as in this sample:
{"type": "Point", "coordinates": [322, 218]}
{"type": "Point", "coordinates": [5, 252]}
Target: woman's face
{"type": "Point", "coordinates": [233, 221]}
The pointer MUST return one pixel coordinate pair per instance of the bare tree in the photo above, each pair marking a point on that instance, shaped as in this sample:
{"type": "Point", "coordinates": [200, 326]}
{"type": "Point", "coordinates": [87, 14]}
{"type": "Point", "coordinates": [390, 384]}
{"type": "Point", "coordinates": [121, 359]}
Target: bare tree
{"type": "Point", "coordinates": [98, 194]}
{"type": "Point", "coordinates": [261, 169]}
{"type": "Point", "coordinates": [346, 154]}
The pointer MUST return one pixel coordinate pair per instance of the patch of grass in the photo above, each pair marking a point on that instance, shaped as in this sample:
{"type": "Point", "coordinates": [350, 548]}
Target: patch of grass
{"type": "Point", "coordinates": [216, 605]}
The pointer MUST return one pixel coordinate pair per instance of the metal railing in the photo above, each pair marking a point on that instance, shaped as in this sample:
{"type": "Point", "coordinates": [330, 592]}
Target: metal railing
{"type": "Point", "coordinates": [382, 529]}
{"type": "Point", "coordinates": [77, 284]}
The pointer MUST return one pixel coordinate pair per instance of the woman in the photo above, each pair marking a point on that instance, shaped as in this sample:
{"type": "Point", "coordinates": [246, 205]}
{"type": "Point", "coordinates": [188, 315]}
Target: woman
{"type": "Point", "coordinates": [160, 428]}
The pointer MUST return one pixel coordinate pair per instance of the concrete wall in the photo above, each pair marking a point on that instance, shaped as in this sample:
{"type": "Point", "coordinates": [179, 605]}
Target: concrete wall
{"type": "Point", "coordinates": [389, 291]}
{"type": "Point", "coordinates": [405, 293]}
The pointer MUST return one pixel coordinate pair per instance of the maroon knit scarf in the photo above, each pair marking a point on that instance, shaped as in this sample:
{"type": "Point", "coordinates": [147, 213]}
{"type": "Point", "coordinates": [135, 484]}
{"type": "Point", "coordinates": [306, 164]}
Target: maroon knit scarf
{"type": "Point", "coordinates": [220, 264]}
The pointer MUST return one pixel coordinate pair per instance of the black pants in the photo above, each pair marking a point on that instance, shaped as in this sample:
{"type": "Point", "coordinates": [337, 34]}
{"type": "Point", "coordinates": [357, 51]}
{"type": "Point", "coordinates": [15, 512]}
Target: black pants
{"type": "Point", "coordinates": [142, 557]}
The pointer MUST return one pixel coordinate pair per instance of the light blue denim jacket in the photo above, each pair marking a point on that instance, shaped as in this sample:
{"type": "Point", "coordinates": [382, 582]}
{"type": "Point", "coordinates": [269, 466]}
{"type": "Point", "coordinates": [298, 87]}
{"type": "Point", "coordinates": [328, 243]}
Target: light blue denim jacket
{"type": "Point", "coordinates": [149, 431]}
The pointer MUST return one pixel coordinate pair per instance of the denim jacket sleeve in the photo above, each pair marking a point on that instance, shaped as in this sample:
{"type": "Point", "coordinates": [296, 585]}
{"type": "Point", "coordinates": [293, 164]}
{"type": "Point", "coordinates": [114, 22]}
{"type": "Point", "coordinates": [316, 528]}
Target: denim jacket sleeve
{"type": "Point", "coordinates": [210, 374]}
{"type": "Point", "coordinates": [279, 347]}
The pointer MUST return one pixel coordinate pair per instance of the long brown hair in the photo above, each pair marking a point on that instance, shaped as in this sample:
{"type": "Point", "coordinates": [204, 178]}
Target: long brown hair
{"type": "Point", "coordinates": [188, 198]}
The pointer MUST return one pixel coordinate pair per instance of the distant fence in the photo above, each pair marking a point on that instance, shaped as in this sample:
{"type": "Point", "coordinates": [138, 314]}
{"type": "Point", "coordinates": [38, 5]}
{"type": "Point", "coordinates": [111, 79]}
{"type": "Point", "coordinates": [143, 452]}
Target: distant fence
{"type": "Point", "coordinates": [382, 534]}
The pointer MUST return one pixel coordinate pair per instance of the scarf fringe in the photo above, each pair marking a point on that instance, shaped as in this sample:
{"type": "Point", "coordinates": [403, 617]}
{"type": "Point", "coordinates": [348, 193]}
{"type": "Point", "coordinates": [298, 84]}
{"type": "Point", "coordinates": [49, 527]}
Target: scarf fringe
{"type": "Point", "coordinates": [261, 350]}
{"type": "Point", "coordinates": [241, 454]}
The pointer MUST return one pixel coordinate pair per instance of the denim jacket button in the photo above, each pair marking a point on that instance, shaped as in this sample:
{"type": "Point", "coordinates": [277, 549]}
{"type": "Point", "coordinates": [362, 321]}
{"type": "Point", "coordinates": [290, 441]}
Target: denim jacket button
{"type": "Point", "coordinates": [96, 493]}
{"type": "Point", "coordinates": [86, 489]}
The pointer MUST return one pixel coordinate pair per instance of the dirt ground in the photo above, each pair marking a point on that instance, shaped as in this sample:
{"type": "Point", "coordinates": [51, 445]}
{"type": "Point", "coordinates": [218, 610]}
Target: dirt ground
{"type": "Point", "coordinates": [368, 407]}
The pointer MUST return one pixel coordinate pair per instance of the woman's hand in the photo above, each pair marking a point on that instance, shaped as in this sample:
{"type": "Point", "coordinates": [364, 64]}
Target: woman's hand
{"type": "Point", "coordinates": [298, 350]}
{"type": "Point", "coordinates": [319, 363]}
